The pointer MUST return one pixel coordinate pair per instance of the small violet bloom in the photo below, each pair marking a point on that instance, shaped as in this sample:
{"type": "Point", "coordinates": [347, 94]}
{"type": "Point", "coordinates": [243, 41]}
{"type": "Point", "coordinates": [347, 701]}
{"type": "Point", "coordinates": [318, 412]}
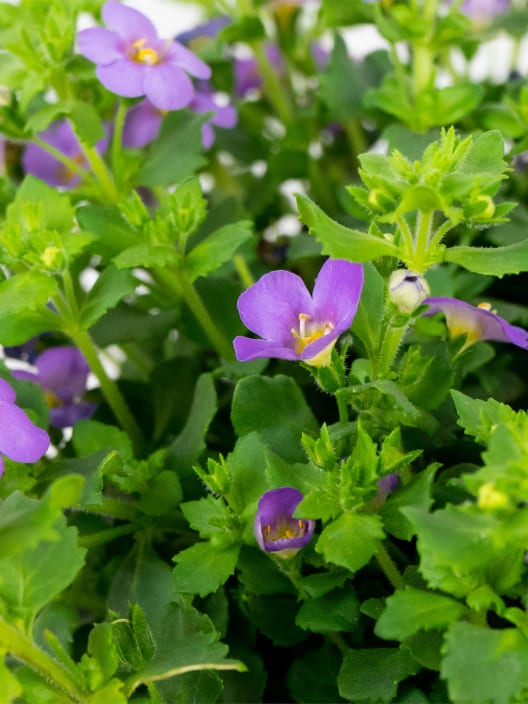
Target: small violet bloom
{"type": "Point", "coordinates": [275, 528]}
{"type": "Point", "coordinates": [133, 61]}
{"type": "Point", "coordinates": [482, 11]}
{"type": "Point", "coordinates": [294, 325]}
{"type": "Point", "coordinates": [143, 121]}
{"type": "Point", "coordinates": [41, 164]}
{"type": "Point", "coordinates": [475, 322]}
{"type": "Point", "coordinates": [206, 30]}
{"type": "Point", "coordinates": [62, 373]}
{"type": "Point", "coordinates": [20, 439]}
{"type": "Point", "coordinates": [246, 72]}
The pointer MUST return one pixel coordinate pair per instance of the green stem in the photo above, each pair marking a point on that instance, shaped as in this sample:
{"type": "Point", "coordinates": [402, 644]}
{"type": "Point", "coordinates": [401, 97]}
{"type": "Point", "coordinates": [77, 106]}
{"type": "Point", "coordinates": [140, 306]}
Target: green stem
{"type": "Point", "coordinates": [113, 508]}
{"type": "Point", "coordinates": [356, 137]}
{"type": "Point", "coordinates": [23, 649]}
{"type": "Point", "coordinates": [106, 536]}
{"type": "Point", "coordinates": [178, 282]}
{"type": "Point", "coordinates": [440, 234]}
{"type": "Point", "coordinates": [389, 568]}
{"type": "Point", "coordinates": [272, 84]}
{"type": "Point", "coordinates": [110, 390]}
{"type": "Point", "coordinates": [406, 233]}
{"type": "Point", "coordinates": [69, 164]}
{"type": "Point", "coordinates": [388, 349]}
{"type": "Point", "coordinates": [117, 140]}
{"type": "Point", "coordinates": [101, 172]}
{"type": "Point", "coordinates": [243, 270]}
{"type": "Point", "coordinates": [421, 243]}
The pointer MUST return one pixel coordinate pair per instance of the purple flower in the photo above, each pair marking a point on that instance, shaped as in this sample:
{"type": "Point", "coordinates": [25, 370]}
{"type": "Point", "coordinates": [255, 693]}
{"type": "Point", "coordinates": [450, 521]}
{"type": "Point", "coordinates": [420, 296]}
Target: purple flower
{"type": "Point", "coordinates": [275, 528]}
{"type": "Point", "coordinates": [41, 164]}
{"type": "Point", "coordinates": [475, 322]}
{"type": "Point", "coordinates": [142, 124]}
{"type": "Point", "coordinates": [20, 439]}
{"type": "Point", "coordinates": [203, 31]}
{"type": "Point", "coordinates": [133, 61]}
{"type": "Point", "coordinates": [62, 373]}
{"type": "Point", "coordinates": [293, 324]}
{"type": "Point", "coordinates": [484, 10]}
{"type": "Point", "coordinates": [224, 115]}
{"type": "Point", "coordinates": [247, 74]}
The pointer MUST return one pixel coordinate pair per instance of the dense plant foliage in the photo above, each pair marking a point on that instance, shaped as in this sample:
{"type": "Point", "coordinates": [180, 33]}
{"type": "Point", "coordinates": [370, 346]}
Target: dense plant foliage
{"type": "Point", "coordinates": [263, 430]}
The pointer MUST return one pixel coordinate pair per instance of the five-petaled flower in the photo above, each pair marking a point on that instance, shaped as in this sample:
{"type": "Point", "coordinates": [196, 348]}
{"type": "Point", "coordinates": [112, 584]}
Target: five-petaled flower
{"type": "Point", "coordinates": [62, 373]}
{"type": "Point", "coordinates": [40, 163]}
{"type": "Point", "coordinates": [293, 324]}
{"type": "Point", "coordinates": [475, 322]}
{"type": "Point", "coordinates": [20, 439]}
{"type": "Point", "coordinates": [133, 61]}
{"type": "Point", "coordinates": [275, 528]}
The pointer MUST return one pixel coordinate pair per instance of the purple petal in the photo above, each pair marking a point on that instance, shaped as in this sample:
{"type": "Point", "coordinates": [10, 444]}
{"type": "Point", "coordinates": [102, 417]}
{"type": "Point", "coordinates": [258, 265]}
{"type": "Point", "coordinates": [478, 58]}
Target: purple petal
{"type": "Point", "coordinates": [23, 375]}
{"type": "Point", "coordinates": [20, 439]}
{"type": "Point", "coordinates": [168, 87]}
{"type": "Point", "coordinates": [100, 45]}
{"type": "Point", "coordinates": [477, 323]}
{"type": "Point", "coordinates": [142, 125]}
{"type": "Point", "coordinates": [248, 348]}
{"type": "Point", "coordinates": [63, 371]}
{"type": "Point", "coordinates": [7, 393]}
{"type": "Point", "coordinates": [275, 511]}
{"type": "Point", "coordinates": [208, 135]}
{"type": "Point", "coordinates": [270, 308]}
{"type": "Point", "coordinates": [180, 56]}
{"type": "Point", "coordinates": [337, 291]}
{"type": "Point", "coordinates": [71, 413]}
{"type": "Point", "coordinates": [127, 22]}
{"type": "Point", "coordinates": [123, 77]}
{"type": "Point", "coordinates": [207, 29]}
{"type": "Point", "coordinates": [226, 117]}
{"type": "Point", "coordinates": [42, 165]}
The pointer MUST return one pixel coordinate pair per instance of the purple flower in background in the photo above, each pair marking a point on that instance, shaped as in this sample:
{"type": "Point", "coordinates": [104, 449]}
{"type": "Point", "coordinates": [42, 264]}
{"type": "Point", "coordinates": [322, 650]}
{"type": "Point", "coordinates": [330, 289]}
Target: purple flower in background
{"type": "Point", "coordinates": [41, 164]}
{"type": "Point", "coordinates": [133, 61]}
{"type": "Point", "coordinates": [293, 324]}
{"type": "Point", "coordinates": [247, 74]}
{"type": "Point", "coordinates": [475, 322]}
{"type": "Point", "coordinates": [142, 124]}
{"type": "Point", "coordinates": [484, 10]}
{"type": "Point", "coordinates": [204, 31]}
{"type": "Point", "coordinates": [275, 528]}
{"type": "Point", "coordinates": [224, 115]}
{"type": "Point", "coordinates": [62, 373]}
{"type": "Point", "coordinates": [20, 439]}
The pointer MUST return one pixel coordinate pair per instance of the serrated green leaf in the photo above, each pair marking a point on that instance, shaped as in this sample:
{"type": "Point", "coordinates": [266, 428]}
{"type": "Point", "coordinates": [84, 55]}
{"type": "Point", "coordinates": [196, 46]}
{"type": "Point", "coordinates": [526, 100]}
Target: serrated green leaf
{"type": "Point", "coordinates": [335, 611]}
{"type": "Point", "coordinates": [490, 261]}
{"type": "Point", "coordinates": [339, 241]}
{"type": "Point", "coordinates": [416, 493]}
{"type": "Point", "coordinates": [217, 248]}
{"type": "Point", "coordinates": [476, 660]}
{"type": "Point", "coordinates": [204, 567]}
{"type": "Point", "coordinates": [373, 675]}
{"type": "Point", "coordinates": [409, 610]}
{"type": "Point", "coordinates": [110, 288]}
{"type": "Point", "coordinates": [479, 417]}
{"type": "Point", "coordinates": [351, 540]}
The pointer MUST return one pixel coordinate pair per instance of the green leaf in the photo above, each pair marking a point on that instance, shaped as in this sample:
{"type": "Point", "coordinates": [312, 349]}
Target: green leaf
{"type": "Point", "coordinates": [19, 328]}
{"type": "Point", "coordinates": [373, 675]}
{"type": "Point", "coordinates": [38, 206]}
{"type": "Point", "coordinates": [476, 660]}
{"type": "Point", "coordinates": [190, 443]}
{"type": "Point", "coordinates": [25, 522]}
{"type": "Point", "coordinates": [351, 540]}
{"type": "Point", "coordinates": [313, 676]}
{"type": "Point", "coordinates": [204, 567]}
{"type": "Point", "coordinates": [33, 578]}
{"type": "Point", "coordinates": [339, 241]}
{"type": "Point", "coordinates": [333, 612]}
{"type": "Point", "coordinates": [409, 610]}
{"type": "Point", "coordinates": [87, 122]}
{"type": "Point", "coordinates": [416, 493]}
{"type": "Point", "coordinates": [181, 134]}
{"type": "Point", "coordinates": [366, 324]}
{"type": "Point", "coordinates": [485, 156]}
{"type": "Point", "coordinates": [107, 224]}
{"type": "Point", "coordinates": [110, 288]}
{"type": "Point", "coordinates": [146, 255]}
{"type": "Point", "coordinates": [491, 261]}
{"type": "Point", "coordinates": [27, 291]}
{"type": "Point", "coordinates": [341, 86]}
{"type": "Point", "coordinates": [276, 409]}
{"type": "Point", "coordinates": [479, 418]}
{"type": "Point", "coordinates": [217, 248]}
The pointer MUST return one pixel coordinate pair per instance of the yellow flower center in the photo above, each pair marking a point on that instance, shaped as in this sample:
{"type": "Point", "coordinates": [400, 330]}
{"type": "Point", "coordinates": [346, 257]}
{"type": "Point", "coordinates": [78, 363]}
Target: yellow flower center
{"type": "Point", "coordinates": [285, 530]}
{"type": "Point", "coordinates": [309, 332]}
{"type": "Point", "coordinates": [143, 54]}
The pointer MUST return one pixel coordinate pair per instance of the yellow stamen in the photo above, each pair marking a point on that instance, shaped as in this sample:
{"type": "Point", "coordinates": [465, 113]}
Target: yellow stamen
{"type": "Point", "coordinates": [309, 332]}
{"type": "Point", "coordinates": [484, 306]}
{"type": "Point", "coordinates": [143, 54]}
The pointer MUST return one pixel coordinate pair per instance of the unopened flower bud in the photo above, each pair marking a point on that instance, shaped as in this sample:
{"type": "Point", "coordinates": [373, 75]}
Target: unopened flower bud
{"type": "Point", "coordinates": [407, 289]}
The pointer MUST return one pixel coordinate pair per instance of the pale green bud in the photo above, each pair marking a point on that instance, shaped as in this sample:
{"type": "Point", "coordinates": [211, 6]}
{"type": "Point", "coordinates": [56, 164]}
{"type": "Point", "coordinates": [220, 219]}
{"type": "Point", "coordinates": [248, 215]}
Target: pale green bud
{"type": "Point", "coordinates": [407, 290]}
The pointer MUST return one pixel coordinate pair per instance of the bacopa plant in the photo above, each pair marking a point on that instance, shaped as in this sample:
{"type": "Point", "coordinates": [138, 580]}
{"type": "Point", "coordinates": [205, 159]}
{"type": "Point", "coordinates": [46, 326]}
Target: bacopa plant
{"type": "Point", "coordinates": [264, 338]}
